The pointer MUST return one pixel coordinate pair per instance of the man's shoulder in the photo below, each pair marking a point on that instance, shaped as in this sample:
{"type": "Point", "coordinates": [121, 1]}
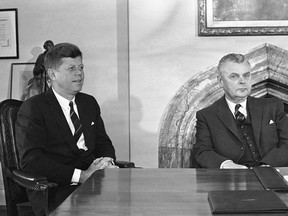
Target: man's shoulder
{"type": "Point", "coordinates": [84, 97]}
{"type": "Point", "coordinates": [212, 107]}
{"type": "Point", "coordinates": [33, 105]}
{"type": "Point", "coordinates": [39, 98]}
{"type": "Point", "coordinates": [86, 100]}
{"type": "Point", "coordinates": [265, 101]}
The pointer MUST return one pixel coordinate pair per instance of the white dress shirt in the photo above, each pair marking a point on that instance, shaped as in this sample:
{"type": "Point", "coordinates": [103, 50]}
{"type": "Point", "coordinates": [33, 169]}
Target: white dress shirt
{"type": "Point", "coordinates": [243, 110]}
{"type": "Point", "coordinates": [64, 103]}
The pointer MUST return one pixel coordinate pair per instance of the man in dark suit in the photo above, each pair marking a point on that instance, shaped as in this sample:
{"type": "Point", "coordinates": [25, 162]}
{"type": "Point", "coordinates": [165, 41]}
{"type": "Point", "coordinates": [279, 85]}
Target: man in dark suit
{"type": "Point", "coordinates": [60, 133]}
{"type": "Point", "coordinates": [239, 131]}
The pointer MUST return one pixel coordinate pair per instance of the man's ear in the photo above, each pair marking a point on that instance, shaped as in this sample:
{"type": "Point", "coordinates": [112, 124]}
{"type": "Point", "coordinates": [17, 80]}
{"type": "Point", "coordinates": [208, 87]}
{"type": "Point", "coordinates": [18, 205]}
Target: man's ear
{"type": "Point", "coordinates": [220, 80]}
{"type": "Point", "coordinates": [51, 73]}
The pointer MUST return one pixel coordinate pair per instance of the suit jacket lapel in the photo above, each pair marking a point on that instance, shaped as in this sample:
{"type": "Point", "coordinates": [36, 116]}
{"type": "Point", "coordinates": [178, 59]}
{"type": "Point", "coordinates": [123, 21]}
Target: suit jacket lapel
{"type": "Point", "coordinates": [255, 111]}
{"type": "Point", "coordinates": [227, 117]}
{"type": "Point", "coordinates": [85, 119]}
{"type": "Point", "coordinates": [59, 117]}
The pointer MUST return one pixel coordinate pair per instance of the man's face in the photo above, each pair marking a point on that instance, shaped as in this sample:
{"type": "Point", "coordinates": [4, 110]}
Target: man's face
{"type": "Point", "coordinates": [235, 79]}
{"type": "Point", "coordinates": [68, 78]}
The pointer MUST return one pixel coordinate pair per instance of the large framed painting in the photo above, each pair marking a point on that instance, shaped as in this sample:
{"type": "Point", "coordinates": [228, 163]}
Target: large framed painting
{"type": "Point", "coordinates": [20, 79]}
{"type": "Point", "coordinates": [242, 17]}
{"type": "Point", "coordinates": [8, 34]}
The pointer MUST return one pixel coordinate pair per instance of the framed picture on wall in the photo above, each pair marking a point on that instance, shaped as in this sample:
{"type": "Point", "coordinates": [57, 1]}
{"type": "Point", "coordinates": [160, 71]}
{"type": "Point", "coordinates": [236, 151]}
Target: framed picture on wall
{"type": "Point", "coordinates": [242, 17]}
{"type": "Point", "coordinates": [8, 34]}
{"type": "Point", "coordinates": [20, 79]}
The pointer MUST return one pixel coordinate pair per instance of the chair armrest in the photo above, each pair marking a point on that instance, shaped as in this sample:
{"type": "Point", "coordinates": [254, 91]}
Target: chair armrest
{"type": "Point", "coordinates": [28, 176]}
{"type": "Point", "coordinates": [124, 164]}
{"type": "Point", "coordinates": [32, 181]}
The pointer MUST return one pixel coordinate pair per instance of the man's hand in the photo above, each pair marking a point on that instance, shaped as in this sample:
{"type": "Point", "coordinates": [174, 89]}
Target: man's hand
{"type": "Point", "coordinates": [229, 164]}
{"type": "Point", "coordinates": [97, 164]}
{"type": "Point", "coordinates": [109, 163]}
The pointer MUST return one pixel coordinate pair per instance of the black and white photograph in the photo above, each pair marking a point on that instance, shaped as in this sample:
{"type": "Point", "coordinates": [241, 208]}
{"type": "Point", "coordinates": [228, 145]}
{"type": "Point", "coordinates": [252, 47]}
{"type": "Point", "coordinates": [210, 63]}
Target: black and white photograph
{"type": "Point", "coordinates": [143, 107]}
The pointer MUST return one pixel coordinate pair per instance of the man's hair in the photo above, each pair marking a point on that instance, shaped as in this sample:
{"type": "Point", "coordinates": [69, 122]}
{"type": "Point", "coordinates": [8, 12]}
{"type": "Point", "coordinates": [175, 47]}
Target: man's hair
{"type": "Point", "coordinates": [232, 57]}
{"type": "Point", "coordinates": [54, 56]}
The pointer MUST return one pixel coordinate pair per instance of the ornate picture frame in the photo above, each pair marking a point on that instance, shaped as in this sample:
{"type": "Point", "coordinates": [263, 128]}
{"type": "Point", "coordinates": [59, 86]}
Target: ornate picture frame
{"type": "Point", "coordinates": [9, 34]}
{"type": "Point", "coordinates": [242, 18]}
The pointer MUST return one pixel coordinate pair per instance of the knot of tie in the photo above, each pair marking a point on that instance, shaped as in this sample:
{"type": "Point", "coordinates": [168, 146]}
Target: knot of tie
{"type": "Point", "coordinates": [76, 122]}
{"type": "Point", "coordinates": [238, 115]}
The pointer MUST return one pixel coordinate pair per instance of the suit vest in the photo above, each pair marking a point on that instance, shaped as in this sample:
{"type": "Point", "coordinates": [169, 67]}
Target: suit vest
{"type": "Point", "coordinates": [251, 156]}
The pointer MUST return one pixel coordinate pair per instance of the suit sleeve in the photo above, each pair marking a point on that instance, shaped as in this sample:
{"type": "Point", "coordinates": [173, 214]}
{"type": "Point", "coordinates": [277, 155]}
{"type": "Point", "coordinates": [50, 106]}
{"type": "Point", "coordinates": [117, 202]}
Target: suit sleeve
{"type": "Point", "coordinates": [204, 152]}
{"type": "Point", "coordinates": [30, 137]}
{"type": "Point", "coordinates": [278, 154]}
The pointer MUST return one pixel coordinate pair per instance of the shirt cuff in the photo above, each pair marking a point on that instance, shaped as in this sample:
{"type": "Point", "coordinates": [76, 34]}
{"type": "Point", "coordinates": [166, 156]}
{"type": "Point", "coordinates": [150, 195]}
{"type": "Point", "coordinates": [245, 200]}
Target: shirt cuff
{"type": "Point", "coordinates": [223, 163]}
{"type": "Point", "coordinates": [76, 176]}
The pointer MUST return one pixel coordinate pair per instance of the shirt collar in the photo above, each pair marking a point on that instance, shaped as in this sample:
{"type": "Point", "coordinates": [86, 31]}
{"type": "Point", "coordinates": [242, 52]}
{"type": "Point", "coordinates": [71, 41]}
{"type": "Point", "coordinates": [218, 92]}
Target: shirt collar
{"type": "Point", "coordinates": [64, 103]}
{"type": "Point", "coordinates": [232, 105]}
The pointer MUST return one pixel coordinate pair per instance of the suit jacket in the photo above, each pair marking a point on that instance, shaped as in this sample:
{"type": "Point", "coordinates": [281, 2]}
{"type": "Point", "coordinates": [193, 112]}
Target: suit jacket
{"type": "Point", "coordinates": [218, 138]}
{"type": "Point", "coordinates": [45, 142]}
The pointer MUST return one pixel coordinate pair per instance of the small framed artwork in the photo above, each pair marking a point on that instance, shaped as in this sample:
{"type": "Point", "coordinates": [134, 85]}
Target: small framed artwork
{"type": "Point", "coordinates": [21, 78]}
{"type": "Point", "coordinates": [245, 17]}
{"type": "Point", "coordinates": [8, 34]}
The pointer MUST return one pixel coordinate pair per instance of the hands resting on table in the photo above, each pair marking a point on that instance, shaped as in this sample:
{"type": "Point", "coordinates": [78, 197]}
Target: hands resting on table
{"type": "Point", "coordinates": [229, 164]}
{"type": "Point", "coordinates": [97, 164]}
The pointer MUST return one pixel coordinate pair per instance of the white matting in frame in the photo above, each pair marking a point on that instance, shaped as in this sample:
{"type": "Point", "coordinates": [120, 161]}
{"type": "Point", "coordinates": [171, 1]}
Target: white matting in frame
{"type": "Point", "coordinates": [21, 73]}
{"type": "Point", "coordinates": [8, 34]}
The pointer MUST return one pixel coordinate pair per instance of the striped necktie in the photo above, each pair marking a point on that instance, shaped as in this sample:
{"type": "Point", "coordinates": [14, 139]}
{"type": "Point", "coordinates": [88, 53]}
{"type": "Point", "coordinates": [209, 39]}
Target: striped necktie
{"type": "Point", "coordinates": [76, 122]}
{"type": "Point", "coordinates": [238, 115]}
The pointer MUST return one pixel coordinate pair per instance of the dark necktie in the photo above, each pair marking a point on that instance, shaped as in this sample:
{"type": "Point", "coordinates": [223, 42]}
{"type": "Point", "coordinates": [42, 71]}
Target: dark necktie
{"type": "Point", "coordinates": [76, 122]}
{"type": "Point", "coordinates": [238, 115]}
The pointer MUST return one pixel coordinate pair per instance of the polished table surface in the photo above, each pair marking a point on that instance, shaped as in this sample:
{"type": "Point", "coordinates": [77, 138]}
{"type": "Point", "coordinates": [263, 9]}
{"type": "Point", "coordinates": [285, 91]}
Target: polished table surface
{"type": "Point", "coordinates": [130, 192]}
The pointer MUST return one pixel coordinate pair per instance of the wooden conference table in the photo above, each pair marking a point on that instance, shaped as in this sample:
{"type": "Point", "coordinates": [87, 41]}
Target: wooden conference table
{"type": "Point", "coordinates": [130, 192]}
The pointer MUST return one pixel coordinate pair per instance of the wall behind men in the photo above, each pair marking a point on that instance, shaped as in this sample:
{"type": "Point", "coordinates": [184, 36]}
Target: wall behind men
{"type": "Point", "coordinates": [165, 51]}
{"type": "Point", "coordinates": [92, 25]}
